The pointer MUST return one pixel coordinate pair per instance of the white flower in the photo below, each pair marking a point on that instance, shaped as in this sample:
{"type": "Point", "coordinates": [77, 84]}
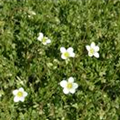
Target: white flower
{"type": "Point", "coordinates": [43, 39]}
{"type": "Point", "coordinates": [69, 86]}
{"type": "Point", "coordinates": [31, 13]}
{"type": "Point", "coordinates": [66, 53]}
{"type": "Point", "coordinates": [93, 50]}
{"type": "Point", "coordinates": [19, 94]}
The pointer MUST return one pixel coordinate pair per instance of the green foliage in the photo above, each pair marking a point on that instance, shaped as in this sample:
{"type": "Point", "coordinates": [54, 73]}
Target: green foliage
{"type": "Point", "coordinates": [25, 62]}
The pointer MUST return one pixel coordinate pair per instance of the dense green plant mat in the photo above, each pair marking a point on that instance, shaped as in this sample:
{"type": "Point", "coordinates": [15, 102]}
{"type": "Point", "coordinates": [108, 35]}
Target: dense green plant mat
{"type": "Point", "coordinates": [39, 69]}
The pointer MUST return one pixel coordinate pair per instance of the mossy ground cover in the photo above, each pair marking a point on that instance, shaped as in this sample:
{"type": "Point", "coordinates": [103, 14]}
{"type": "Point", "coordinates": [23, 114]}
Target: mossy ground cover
{"type": "Point", "coordinates": [39, 69]}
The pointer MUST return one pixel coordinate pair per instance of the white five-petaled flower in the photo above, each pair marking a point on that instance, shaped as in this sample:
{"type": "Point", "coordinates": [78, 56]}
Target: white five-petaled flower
{"type": "Point", "coordinates": [69, 86]}
{"type": "Point", "coordinates": [43, 39]}
{"type": "Point", "coordinates": [93, 50]}
{"type": "Point", "coordinates": [66, 53]}
{"type": "Point", "coordinates": [19, 94]}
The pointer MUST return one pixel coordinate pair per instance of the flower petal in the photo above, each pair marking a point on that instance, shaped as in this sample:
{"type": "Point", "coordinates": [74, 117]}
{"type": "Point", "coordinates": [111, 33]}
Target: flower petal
{"type": "Point", "coordinates": [15, 92]}
{"type": "Point", "coordinates": [44, 43]}
{"type": "Point", "coordinates": [40, 37]}
{"type": "Point", "coordinates": [72, 90]}
{"type": "Point", "coordinates": [25, 94]}
{"type": "Point", "coordinates": [65, 90]}
{"type": "Point", "coordinates": [22, 99]}
{"type": "Point", "coordinates": [71, 80]}
{"type": "Point", "coordinates": [72, 54]}
{"type": "Point", "coordinates": [62, 50]}
{"type": "Point", "coordinates": [16, 99]}
{"type": "Point", "coordinates": [96, 55]}
{"type": "Point", "coordinates": [63, 57]}
{"type": "Point", "coordinates": [21, 89]}
{"type": "Point", "coordinates": [70, 50]}
{"type": "Point", "coordinates": [96, 48]}
{"type": "Point", "coordinates": [75, 85]}
{"type": "Point", "coordinates": [63, 83]}
{"type": "Point", "coordinates": [48, 41]}
{"type": "Point", "coordinates": [92, 44]}
{"type": "Point", "coordinates": [89, 54]}
{"type": "Point", "coordinates": [87, 47]}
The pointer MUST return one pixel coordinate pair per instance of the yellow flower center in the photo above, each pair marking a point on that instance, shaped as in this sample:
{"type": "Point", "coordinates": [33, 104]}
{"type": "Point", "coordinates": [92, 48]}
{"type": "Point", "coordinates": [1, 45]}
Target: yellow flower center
{"type": "Point", "coordinates": [91, 50]}
{"type": "Point", "coordinates": [20, 94]}
{"type": "Point", "coordinates": [44, 39]}
{"type": "Point", "coordinates": [66, 54]}
{"type": "Point", "coordinates": [69, 85]}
